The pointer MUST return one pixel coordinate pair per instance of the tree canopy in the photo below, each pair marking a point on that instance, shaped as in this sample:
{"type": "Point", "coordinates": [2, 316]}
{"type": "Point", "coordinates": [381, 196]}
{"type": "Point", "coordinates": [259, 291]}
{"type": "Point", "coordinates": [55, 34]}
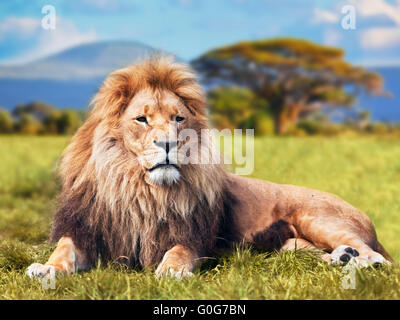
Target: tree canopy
{"type": "Point", "coordinates": [239, 108]}
{"type": "Point", "coordinates": [295, 76]}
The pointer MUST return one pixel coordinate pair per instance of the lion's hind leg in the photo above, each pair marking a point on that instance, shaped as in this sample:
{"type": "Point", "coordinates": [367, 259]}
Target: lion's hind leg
{"type": "Point", "coordinates": [298, 243]}
{"type": "Point", "coordinates": [344, 244]}
{"type": "Point", "coordinates": [347, 233]}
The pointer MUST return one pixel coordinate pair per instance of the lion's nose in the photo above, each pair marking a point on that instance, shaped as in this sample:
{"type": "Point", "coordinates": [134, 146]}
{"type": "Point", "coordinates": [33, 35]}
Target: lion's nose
{"type": "Point", "coordinates": [166, 145]}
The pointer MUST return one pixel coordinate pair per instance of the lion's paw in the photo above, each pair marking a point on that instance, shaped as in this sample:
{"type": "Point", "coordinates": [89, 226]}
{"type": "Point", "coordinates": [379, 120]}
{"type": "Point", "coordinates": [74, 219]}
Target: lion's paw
{"type": "Point", "coordinates": [178, 274]}
{"type": "Point", "coordinates": [343, 255]}
{"type": "Point", "coordinates": [38, 270]}
{"type": "Point", "coordinates": [174, 272]}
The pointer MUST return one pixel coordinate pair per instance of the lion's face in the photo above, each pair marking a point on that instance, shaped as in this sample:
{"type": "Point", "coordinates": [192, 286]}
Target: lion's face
{"type": "Point", "coordinates": [150, 128]}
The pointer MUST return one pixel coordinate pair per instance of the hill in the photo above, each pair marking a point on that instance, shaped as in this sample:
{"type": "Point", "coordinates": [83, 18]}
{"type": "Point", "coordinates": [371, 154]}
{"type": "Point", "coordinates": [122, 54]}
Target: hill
{"type": "Point", "coordinates": [85, 61]}
{"type": "Point", "coordinates": [69, 78]}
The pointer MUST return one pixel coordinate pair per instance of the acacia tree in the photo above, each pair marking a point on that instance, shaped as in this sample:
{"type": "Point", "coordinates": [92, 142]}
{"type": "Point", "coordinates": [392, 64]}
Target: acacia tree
{"type": "Point", "coordinates": [295, 76]}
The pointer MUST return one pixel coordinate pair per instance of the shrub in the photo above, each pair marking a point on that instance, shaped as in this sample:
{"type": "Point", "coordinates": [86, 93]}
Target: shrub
{"type": "Point", "coordinates": [27, 124]}
{"type": "Point", "coordinates": [377, 128]}
{"type": "Point", "coordinates": [68, 122]}
{"type": "Point", "coordinates": [314, 127]}
{"type": "Point", "coordinates": [50, 123]}
{"type": "Point", "coordinates": [6, 121]}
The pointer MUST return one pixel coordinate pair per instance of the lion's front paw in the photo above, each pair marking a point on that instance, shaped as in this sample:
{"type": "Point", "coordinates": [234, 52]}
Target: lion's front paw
{"type": "Point", "coordinates": [178, 262]}
{"type": "Point", "coordinates": [178, 272]}
{"type": "Point", "coordinates": [38, 270]}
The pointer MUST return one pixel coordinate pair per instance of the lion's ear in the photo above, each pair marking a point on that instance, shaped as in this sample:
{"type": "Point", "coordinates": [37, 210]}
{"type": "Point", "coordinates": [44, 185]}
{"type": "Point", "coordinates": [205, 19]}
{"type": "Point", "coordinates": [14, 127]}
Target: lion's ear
{"type": "Point", "coordinates": [114, 94]}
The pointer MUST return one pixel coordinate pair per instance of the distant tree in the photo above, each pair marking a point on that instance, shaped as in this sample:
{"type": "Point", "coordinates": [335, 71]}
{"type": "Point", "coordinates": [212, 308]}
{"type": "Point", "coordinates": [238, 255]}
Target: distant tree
{"type": "Point", "coordinates": [27, 124]}
{"type": "Point", "coordinates": [50, 123]}
{"type": "Point", "coordinates": [295, 76]}
{"type": "Point", "coordinates": [68, 122]}
{"type": "Point", "coordinates": [6, 122]}
{"type": "Point", "coordinates": [235, 107]}
{"type": "Point", "coordinates": [37, 116]}
{"type": "Point", "coordinates": [39, 110]}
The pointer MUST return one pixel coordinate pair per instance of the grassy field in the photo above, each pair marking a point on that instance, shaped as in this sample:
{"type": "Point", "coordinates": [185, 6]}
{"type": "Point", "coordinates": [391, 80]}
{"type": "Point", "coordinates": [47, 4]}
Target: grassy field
{"type": "Point", "coordinates": [365, 171]}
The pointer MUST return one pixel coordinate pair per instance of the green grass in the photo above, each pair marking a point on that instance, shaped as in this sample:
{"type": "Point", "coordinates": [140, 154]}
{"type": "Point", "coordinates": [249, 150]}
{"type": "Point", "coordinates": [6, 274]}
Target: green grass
{"type": "Point", "coordinates": [365, 171]}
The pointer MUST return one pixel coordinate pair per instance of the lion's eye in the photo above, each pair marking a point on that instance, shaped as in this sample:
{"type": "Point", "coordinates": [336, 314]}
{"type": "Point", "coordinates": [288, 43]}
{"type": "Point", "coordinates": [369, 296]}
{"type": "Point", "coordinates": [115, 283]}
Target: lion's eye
{"type": "Point", "coordinates": [141, 119]}
{"type": "Point", "coordinates": [179, 119]}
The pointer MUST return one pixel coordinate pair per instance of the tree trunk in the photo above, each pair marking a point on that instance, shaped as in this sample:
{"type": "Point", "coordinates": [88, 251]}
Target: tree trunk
{"type": "Point", "coordinates": [285, 117]}
{"type": "Point", "coordinates": [280, 123]}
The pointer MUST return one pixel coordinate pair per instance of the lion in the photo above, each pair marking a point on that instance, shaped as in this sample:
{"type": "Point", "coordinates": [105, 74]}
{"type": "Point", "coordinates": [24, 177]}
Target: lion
{"type": "Point", "coordinates": [125, 197]}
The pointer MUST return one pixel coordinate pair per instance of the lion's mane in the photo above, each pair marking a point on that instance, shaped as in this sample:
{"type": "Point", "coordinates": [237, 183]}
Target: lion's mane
{"type": "Point", "coordinates": [106, 206]}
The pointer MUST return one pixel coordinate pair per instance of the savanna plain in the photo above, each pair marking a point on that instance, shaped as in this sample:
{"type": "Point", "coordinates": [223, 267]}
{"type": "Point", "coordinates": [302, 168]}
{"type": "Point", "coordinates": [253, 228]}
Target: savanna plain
{"type": "Point", "coordinates": [363, 170]}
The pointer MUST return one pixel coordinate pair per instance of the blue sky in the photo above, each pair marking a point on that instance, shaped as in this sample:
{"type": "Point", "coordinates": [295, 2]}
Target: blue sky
{"type": "Point", "coordinates": [190, 27]}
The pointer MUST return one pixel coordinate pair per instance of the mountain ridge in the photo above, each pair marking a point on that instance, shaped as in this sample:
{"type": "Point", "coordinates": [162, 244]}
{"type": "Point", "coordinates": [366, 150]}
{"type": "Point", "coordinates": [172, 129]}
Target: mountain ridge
{"type": "Point", "coordinates": [85, 61]}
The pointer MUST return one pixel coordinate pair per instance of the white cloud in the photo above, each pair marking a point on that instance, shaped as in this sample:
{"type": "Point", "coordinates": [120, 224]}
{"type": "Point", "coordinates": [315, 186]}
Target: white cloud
{"type": "Point", "coordinates": [380, 37]}
{"type": "Point", "coordinates": [324, 16]}
{"type": "Point", "coordinates": [368, 8]}
{"type": "Point", "coordinates": [371, 63]}
{"type": "Point", "coordinates": [20, 27]}
{"type": "Point", "coordinates": [65, 35]}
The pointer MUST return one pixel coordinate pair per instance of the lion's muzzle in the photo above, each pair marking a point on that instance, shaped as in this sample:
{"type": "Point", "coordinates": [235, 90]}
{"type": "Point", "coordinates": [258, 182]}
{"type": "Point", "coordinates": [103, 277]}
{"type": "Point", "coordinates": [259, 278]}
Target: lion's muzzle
{"type": "Point", "coordinates": [166, 171]}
